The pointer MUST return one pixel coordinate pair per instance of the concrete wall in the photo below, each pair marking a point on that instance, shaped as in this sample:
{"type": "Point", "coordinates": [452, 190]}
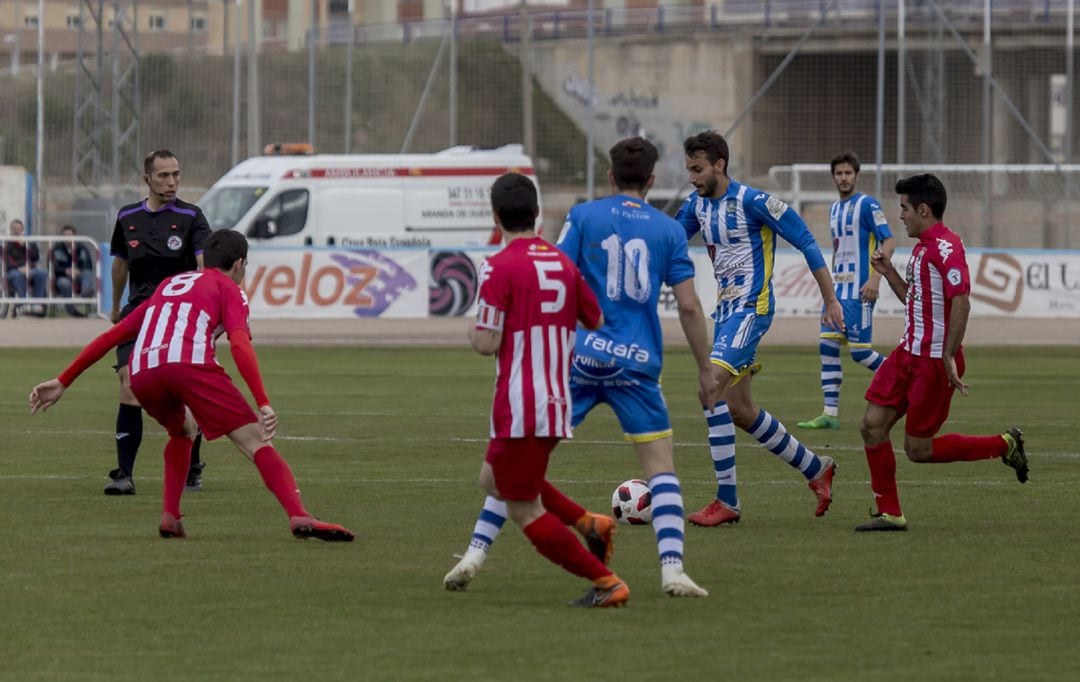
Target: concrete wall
{"type": "Point", "coordinates": [665, 89]}
{"type": "Point", "coordinates": [668, 87]}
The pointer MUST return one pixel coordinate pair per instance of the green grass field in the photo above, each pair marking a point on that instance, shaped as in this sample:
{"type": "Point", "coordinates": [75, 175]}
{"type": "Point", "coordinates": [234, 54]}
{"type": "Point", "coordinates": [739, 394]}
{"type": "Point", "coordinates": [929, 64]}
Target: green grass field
{"type": "Point", "coordinates": [388, 441]}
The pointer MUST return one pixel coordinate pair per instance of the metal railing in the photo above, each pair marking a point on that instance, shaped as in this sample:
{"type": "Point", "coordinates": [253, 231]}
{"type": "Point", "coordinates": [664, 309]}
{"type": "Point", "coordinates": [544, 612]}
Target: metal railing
{"type": "Point", "coordinates": [713, 16]}
{"type": "Point", "coordinates": [41, 273]}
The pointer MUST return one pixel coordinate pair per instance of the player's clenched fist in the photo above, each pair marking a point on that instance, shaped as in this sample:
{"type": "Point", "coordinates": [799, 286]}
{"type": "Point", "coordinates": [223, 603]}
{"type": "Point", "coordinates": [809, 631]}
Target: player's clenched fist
{"type": "Point", "coordinates": [880, 262]}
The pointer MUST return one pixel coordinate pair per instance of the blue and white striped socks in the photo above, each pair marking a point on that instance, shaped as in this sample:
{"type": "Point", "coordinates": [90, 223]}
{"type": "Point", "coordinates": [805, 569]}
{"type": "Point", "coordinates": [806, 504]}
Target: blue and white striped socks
{"type": "Point", "coordinates": [867, 356]}
{"type": "Point", "coordinates": [667, 521]}
{"type": "Point", "coordinates": [488, 524]}
{"type": "Point", "coordinates": [722, 449]}
{"type": "Point", "coordinates": [768, 431]}
{"type": "Point", "coordinates": [832, 374]}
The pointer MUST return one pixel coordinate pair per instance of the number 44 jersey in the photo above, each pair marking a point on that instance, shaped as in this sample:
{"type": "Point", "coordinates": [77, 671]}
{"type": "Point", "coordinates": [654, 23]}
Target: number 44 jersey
{"type": "Point", "coordinates": [626, 250]}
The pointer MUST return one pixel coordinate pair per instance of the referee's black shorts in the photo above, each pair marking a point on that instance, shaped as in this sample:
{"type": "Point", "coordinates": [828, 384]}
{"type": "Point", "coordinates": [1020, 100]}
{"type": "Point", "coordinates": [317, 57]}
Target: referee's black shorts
{"type": "Point", "coordinates": [123, 351]}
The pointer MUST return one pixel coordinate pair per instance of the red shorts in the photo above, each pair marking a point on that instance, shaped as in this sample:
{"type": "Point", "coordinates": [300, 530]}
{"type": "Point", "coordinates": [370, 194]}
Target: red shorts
{"type": "Point", "coordinates": [217, 405]}
{"type": "Point", "coordinates": [916, 386]}
{"type": "Point", "coordinates": [519, 465]}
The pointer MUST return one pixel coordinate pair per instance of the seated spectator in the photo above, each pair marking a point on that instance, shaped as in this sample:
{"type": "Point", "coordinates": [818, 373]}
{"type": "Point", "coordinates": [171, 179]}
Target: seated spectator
{"type": "Point", "coordinates": [72, 264]}
{"type": "Point", "coordinates": [16, 255]}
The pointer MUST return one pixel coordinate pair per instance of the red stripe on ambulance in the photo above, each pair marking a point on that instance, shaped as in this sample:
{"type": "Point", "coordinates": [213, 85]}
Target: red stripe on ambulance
{"type": "Point", "coordinates": [334, 173]}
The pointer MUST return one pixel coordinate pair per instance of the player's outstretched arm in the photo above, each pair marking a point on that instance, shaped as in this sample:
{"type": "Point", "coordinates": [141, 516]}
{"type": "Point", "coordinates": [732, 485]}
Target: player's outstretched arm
{"type": "Point", "coordinates": [45, 395]}
{"type": "Point", "coordinates": [694, 327]}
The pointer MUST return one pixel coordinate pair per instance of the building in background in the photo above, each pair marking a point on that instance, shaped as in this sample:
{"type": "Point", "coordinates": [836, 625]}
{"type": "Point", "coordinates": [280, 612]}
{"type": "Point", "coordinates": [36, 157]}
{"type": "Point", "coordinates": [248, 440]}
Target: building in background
{"type": "Point", "coordinates": [210, 26]}
{"type": "Point", "coordinates": [164, 25]}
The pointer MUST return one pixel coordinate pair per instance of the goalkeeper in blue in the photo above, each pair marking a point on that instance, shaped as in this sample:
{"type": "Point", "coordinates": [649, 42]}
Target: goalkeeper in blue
{"type": "Point", "coordinates": [858, 228]}
{"type": "Point", "coordinates": [739, 225]}
{"type": "Point", "coordinates": [626, 251]}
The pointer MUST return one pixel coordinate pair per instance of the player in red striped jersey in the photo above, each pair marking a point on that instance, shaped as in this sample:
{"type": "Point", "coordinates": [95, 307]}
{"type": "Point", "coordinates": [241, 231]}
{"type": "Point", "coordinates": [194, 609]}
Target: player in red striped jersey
{"type": "Point", "coordinates": [177, 379]}
{"type": "Point", "coordinates": [919, 377]}
{"type": "Point", "coordinates": [531, 298]}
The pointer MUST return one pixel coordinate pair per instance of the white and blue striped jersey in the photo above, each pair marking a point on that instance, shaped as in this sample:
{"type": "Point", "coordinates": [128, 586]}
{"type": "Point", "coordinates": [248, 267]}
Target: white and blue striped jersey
{"type": "Point", "coordinates": [740, 231]}
{"type": "Point", "coordinates": [626, 250]}
{"type": "Point", "coordinates": [858, 226]}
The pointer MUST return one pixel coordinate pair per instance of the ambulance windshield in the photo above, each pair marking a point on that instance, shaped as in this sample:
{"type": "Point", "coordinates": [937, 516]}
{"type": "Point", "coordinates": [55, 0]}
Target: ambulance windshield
{"type": "Point", "coordinates": [225, 206]}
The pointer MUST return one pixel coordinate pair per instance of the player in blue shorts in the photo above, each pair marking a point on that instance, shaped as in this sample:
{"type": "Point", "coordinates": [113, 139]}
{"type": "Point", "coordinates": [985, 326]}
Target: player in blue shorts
{"type": "Point", "coordinates": [858, 227]}
{"type": "Point", "coordinates": [626, 250]}
{"type": "Point", "coordinates": [739, 225]}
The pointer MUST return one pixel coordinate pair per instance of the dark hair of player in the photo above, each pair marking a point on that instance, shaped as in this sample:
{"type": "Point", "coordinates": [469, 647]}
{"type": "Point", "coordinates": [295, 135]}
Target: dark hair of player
{"type": "Point", "coordinates": [845, 157]}
{"type": "Point", "coordinates": [223, 248]}
{"type": "Point", "coordinates": [514, 200]}
{"type": "Point", "coordinates": [632, 163]}
{"type": "Point", "coordinates": [924, 189]}
{"type": "Point", "coordinates": [712, 143]}
{"type": "Point", "coordinates": [148, 162]}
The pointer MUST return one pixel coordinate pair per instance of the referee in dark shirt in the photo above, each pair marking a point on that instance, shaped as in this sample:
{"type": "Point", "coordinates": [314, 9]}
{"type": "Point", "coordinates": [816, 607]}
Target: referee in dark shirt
{"type": "Point", "coordinates": [154, 239]}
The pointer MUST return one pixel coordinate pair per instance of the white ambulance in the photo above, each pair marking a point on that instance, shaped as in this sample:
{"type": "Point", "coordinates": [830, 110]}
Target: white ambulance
{"type": "Point", "coordinates": [438, 200]}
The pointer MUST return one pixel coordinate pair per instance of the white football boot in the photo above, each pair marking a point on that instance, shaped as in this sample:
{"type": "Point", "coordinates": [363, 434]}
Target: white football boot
{"type": "Point", "coordinates": [462, 574]}
{"type": "Point", "coordinates": [675, 583]}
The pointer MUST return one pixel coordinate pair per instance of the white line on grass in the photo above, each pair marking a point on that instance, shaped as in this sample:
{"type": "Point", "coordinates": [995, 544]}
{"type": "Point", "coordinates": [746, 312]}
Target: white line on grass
{"type": "Point", "coordinates": [790, 482]}
{"type": "Point", "coordinates": [340, 439]}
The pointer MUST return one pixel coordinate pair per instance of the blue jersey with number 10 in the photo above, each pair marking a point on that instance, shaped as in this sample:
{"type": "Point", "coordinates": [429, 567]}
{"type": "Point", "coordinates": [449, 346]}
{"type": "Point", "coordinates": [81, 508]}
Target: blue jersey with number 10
{"type": "Point", "coordinates": [626, 250]}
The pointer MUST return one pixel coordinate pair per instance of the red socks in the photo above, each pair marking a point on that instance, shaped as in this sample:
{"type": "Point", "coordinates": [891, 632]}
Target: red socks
{"type": "Point", "coordinates": [279, 479]}
{"type": "Point", "coordinates": [882, 463]}
{"type": "Point", "coordinates": [565, 509]}
{"type": "Point", "coordinates": [959, 448]}
{"type": "Point", "coordinates": [177, 460]}
{"type": "Point", "coordinates": [558, 545]}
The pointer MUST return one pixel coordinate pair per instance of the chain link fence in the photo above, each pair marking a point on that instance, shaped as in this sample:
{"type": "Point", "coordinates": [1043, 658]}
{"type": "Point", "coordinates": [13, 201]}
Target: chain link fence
{"type": "Point", "coordinates": [789, 82]}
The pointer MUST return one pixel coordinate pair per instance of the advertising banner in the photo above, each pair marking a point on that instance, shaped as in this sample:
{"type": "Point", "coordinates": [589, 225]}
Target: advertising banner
{"type": "Point", "coordinates": [336, 283]}
{"type": "Point", "coordinates": [348, 283]}
{"type": "Point", "coordinates": [1025, 283]}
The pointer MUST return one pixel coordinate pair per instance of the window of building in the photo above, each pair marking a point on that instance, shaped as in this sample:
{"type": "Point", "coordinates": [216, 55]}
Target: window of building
{"type": "Point", "coordinates": [198, 23]}
{"type": "Point", "coordinates": [73, 21]}
{"type": "Point", "coordinates": [157, 22]}
{"type": "Point", "coordinates": [30, 21]}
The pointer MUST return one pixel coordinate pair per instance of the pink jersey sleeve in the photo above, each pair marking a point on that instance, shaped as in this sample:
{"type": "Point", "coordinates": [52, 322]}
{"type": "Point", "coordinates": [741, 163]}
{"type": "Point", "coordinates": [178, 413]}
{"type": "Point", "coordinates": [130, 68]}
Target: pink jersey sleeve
{"type": "Point", "coordinates": [951, 261]}
{"type": "Point", "coordinates": [493, 299]}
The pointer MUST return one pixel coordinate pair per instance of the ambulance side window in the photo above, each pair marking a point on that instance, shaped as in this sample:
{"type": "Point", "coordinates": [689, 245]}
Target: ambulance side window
{"type": "Point", "coordinates": [285, 214]}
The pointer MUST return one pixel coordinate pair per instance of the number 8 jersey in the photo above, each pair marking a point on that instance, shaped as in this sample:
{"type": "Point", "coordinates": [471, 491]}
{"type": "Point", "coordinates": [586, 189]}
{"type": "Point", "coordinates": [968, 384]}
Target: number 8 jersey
{"type": "Point", "coordinates": [534, 296]}
{"type": "Point", "coordinates": [180, 321]}
{"type": "Point", "coordinates": [626, 251]}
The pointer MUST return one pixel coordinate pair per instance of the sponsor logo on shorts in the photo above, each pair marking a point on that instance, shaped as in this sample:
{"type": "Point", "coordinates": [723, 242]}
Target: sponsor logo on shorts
{"type": "Point", "coordinates": [620, 350]}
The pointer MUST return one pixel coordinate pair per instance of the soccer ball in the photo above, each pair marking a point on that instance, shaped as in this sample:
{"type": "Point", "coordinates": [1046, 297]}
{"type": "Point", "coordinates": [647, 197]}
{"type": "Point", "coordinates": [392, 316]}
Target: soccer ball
{"type": "Point", "coordinates": [631, 503]}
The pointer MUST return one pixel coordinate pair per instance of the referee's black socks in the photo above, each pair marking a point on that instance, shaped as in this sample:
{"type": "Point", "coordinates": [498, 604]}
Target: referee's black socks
{"type": "Point", "coordinates": [129, 427]}
{"type": "Point", "coordinates": [195, 447]}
